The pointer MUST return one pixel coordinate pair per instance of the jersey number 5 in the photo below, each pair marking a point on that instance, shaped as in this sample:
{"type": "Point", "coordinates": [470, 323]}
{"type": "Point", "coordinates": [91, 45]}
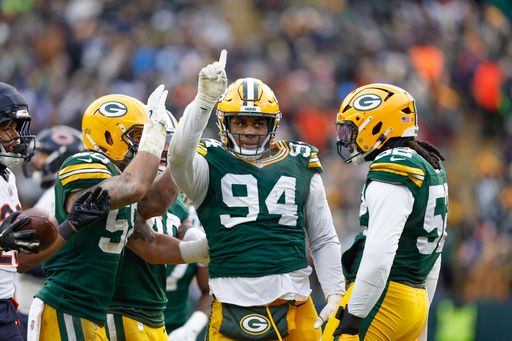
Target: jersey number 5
{"type": "Point", "coordinates": [284, 186]}
{"type": "Point", "coordinates": [435, 220]}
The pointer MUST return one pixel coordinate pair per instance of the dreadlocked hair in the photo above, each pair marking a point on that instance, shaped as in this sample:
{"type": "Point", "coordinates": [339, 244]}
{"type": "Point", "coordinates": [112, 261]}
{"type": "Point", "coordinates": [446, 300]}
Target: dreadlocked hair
{"type": "Point", "coordinates": [425, 149]}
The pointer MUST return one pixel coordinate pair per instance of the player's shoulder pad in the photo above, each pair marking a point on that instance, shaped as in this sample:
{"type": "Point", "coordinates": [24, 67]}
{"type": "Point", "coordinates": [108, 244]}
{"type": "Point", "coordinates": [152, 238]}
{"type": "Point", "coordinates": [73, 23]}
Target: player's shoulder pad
{"type": "Point", "coordinates": [84, 165]}
{"type": "Point", "coordinates": [398, 165]}
{"type": "Point", "coordinates": [305, 151]}
{"type": "Point", "coordinates": [205, 144]}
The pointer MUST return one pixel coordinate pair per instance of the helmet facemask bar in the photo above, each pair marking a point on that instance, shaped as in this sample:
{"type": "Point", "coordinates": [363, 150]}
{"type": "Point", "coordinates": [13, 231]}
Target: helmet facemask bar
{"type": "Point", "coordinates": [25, 148]}
{"type": "Point", "coordinates": [346, 145]}
{"type": "Point", "coordinates": [127, 137]}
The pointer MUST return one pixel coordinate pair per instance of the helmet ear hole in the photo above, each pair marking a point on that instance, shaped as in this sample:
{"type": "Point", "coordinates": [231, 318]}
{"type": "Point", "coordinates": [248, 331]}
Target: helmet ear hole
{"type": "Point", "coordinates": [377, 128]}
{"type": "Point", "coordinates": [108, 138]}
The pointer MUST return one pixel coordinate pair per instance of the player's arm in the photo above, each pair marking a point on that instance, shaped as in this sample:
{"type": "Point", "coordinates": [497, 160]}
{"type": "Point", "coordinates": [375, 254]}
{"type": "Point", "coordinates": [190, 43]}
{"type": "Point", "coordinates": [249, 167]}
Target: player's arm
{"type": "Point", "coordinates": [389, 205]}
{"type": "Point", "coordinates": [85, 211]}
{"type": "Point", "coordinates": [190, 170]}
{"type": "Point", "coordinates": [161, 195]}
{"type": "Point", "coordinates": [158, 248]}
{"type": "Point", "coordinates": [205, 301]}
{"type": "Point", "coordinates": [431, 285]}
{"type": "Point", "coordinates": [325, 248]}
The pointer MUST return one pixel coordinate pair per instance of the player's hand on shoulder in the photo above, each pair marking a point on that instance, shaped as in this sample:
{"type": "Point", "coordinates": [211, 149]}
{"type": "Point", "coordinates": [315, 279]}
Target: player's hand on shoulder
{"type": "Point", "coordinates": [212, 82]}
{"type": "Point", "coordinates": [89, 208]}
{"type": "Point", "coordinates": [13, 238]}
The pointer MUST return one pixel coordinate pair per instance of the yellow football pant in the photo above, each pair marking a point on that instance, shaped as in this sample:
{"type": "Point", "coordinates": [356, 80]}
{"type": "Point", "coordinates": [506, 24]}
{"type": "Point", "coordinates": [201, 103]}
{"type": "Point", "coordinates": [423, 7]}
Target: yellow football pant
{"type": "Point", "coordinates": [300, 323]}
{"type": "Point", "coordinates": [399, 315]}
{"type": "Point", "coordinates": [122, 328]}
{"type": "Point", "coordinates": [58, 326]}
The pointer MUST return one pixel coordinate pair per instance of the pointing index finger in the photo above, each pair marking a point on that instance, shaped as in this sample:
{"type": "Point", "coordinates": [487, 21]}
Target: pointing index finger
{"type": "Point", "coordinates": [223, 57]}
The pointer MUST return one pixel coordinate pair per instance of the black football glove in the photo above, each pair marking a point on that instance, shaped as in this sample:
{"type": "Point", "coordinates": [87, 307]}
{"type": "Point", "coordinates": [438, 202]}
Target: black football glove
{"type": "Point", "coordinates": [349, 324]}
{"type": "Point", "coordinates": [13, 239]}
{"type": "Point", "coordinates": [89, 208]}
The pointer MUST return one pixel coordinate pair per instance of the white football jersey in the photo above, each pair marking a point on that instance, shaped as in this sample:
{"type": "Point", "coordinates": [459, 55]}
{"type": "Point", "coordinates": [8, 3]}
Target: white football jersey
{"type": "Point", "coordinates": [9, 203]}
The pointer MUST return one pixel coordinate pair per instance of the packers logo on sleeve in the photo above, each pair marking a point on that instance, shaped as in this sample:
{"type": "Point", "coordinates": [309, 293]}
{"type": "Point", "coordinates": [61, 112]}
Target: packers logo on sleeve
{"type": "Point", "coordinates": [255, 324]}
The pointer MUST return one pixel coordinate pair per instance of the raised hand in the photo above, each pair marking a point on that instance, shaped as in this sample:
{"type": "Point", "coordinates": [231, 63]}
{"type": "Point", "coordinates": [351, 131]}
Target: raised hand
{"type": "Point", "coordinates": [13, 239]}
{"type": "Point", "coordinates": [156, 106]}
{"type": "Point", "coordinates": [212, 82]}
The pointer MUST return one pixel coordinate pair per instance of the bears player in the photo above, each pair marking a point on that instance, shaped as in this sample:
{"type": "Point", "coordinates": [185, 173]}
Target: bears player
{"type": "Point", "coordinates": [257, 198]}
{"type": "Point", "coordinates": [16, 143]}
{"type": "Point", "coordinates": [124, 139]}
{"type": "Point", "coordinates": [394, 263]}
{"type": "Point", "coordinates": [53, 146]}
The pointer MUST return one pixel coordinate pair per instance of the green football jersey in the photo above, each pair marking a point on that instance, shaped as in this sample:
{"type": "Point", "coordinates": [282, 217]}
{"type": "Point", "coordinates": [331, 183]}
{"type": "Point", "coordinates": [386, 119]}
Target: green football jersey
{"type": "Point", "coordinates": [140, 292]}
{"type": "Point", "coordinates": [424, 233]}
{"type": "Point", "coordinates": [81, 275]}
{"type": "Point", "coordinates": [253, 211]}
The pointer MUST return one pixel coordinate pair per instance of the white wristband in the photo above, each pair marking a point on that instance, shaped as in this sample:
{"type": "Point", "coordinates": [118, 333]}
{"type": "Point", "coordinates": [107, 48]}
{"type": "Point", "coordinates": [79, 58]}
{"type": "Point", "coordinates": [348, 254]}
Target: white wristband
{"type": "Point", "coordinates": [195, 251]}
{"type": "Point", "coordinates": [152, 139]}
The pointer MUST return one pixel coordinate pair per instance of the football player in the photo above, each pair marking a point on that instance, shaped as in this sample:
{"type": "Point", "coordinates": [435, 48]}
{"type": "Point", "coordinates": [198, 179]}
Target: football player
{"type": "Point", "coordinates": [394, 263]}
{"type": "Point", "coordinates": [124, 140]}
{"type": "Point", "coordinates": [179, 322]}
{"type": "Point", "coordinates": [16, 143]}
{"type": "Point", "coordinates": [136, 311]}
{"type": "Point", "coordinates": [258, 198]}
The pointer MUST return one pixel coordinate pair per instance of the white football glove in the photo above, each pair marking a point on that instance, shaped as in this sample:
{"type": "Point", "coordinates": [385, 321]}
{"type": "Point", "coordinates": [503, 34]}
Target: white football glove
{"type": "Point", "coordinates": [212, 82]}
{"type": "Point", "coordinates": [156, 106]}
{"type": "Point", "coordinates": [190, 330]}
{"type": "Point", "coordinates": [153, 134]}
{"type": "Point", "coordinates": [333, 301]}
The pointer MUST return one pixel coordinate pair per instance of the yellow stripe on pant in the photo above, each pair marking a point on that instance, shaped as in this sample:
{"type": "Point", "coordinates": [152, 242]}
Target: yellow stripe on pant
{"type": "Point", "coordinates": [300, 318]}
{"type": "Point", "coordinates": [399, 315]}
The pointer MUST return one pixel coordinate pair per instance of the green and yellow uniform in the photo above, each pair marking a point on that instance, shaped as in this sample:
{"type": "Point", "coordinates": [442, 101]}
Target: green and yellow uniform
{"type": "Point", "coordinates": [137, 307]}
{"type": "Point", "coordinates": [81, 276]}
{"type": "Point", "coordinates": [419, 246]}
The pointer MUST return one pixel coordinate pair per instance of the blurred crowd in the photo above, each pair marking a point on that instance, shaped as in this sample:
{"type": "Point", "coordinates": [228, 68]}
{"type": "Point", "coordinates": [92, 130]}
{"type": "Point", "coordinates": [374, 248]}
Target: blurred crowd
{"type": "Point", "coordinates": [453, 56]}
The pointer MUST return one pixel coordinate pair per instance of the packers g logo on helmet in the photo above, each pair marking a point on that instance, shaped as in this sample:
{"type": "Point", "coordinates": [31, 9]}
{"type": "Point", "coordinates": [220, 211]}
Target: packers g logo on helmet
{"type": "Point", "coordinates": [367, 102]}
{"type": "Point", "coordinates": [113, 109]}
{"type": "Point", "coordinates": [108, 124]}
{"type": "Point", "coordinates": [371, 115]}
{"type": "Point", "coordinates": [255, 324]}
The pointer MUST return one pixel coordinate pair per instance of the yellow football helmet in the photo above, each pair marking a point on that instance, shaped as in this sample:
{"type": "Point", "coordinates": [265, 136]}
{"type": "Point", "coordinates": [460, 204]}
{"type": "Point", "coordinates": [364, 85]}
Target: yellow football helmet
{"type": "Point", "coordinates": [371, 115]}
{"type": "Point", "coordinates": [110, 123]}
{"type": "Point", "coordinates": [248, 97]}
